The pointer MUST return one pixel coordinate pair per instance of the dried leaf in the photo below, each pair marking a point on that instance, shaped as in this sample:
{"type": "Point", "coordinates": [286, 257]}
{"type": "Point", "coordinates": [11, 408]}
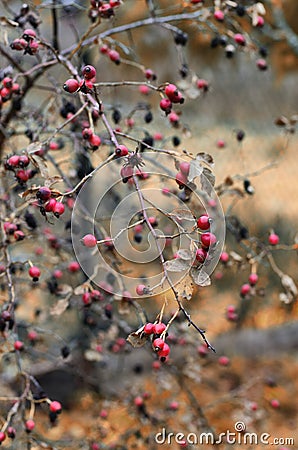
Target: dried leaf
{"type": "Point", "coordinates": [195, 169]}
{"type": "Point", "coordinates": [79, 290]}
{"type": "Point", "coordinates": [64, 290]}
{"type": "Point", "coordinates": [185, 288]}
{"type": "Point", "coordinates": [177, 265]}
{"type": "Point", "coordinates": [200, 277]}
{"type": "Point", "coordinates": [284, 298]}
{"type": "Point", "coordinates": [184, 254]}
{"type": "Point", "coordinates": [281, 121]}
{"type": "Point", "coordinates": [182, 214]}
{"type": "Point", "coordinates": [53, 180]}
{"type": "Point", "coordinates": [137, 339]}
{"type": "Point", "coordinates": [41, 165]}
{"type": "Point", "coordinates": [207, 181]}
{"type": "Point", "coordinates": [206, 158]}
{"type": "Point", "coordinates": [60, 307]}
{"type": "Point", "coordinates": [124, 308]}
{"type": "Point", "coordinates": [289, 285]}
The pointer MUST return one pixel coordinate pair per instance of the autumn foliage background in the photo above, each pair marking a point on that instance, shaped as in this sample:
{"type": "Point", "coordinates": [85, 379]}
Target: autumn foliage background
{"type": "Point", "coordinates": [195, 392]}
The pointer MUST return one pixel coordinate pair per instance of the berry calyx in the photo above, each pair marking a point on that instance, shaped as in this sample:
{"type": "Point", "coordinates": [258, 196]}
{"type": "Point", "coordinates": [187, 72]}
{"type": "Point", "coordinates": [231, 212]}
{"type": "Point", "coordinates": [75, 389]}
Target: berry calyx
{"type": "Point", "coordinates": [89, 240]}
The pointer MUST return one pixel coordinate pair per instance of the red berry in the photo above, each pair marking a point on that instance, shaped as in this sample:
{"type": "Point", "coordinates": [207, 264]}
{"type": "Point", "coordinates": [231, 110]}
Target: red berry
{"type": "Point", "coordinates": [24, 161]}
{"type": "Point", "coordinates": [114, 56]}
{"type": "Point", "coordinates": [126, 172]}
{"type": "Point", "coordinates": [260, 21]}
{"type": "Point", "coordinates": [16, 89]}
{"type": "Point", "coordinates": [219, 15]}
{"type": "Point", "coordinates": [202, 84]}
{"type": "Point", "coordinates": [19, 235]}
{"type": "Point", "coordinates": [253, 406]}
{"type": "Point", "coordinates": [262, 64]}
{"type": "Point", "coordinates": [164, 352]}
{"type": "Point", "coordinates": [13, 161]}
{"type": "Point", "coordinates": [239, 39]}
{"type": "Point", "coordinates": [58, 209]}
{"type": "Point", "coordinates": [2, 436]}
{"type": "Point", "coordinates": [174, 406]}
{"type": "Point", "coordinates": [224, 257]}
{"type": "Point", "coordinates": [181, 180]}
{"type": "Point", "coordinates": [156, 365]}
{"type": "Point", "coordinates": [159, 328]}
{"type": "Point", "coordinates": [158, 344]}
{"type": "Point", "coordinates": [138, 401]}
{"type": "Point", "coordinates": [23, 175]}
{"type": "Point", "coordinates": [275, 403]}
{"type": "Point", "coordinates": [33, 47]}
{"type": "Point", "coordinates": [203, 222]}
{"type": "Point", "coordinates": [87, 133]}
{"type": "Point", "coordinates": [174, 118]}
{"type": "Point", "coordinates": [273, 239]}
{"type": "Point", "coordinates": [208, 239]}
{"type": "Point", "coordinates": [54, 146]}
{"type": "Point", "coordinates": [11, 432]}
{"type": "Point", "coordinates": [245, 289]}
{"type": "Point", "coordinates": [150, 75]}
{"type": "Point", "coordinates": [29, 34]}
{"type": "Point", "coordinates": [18, 345]}
{"type": "Point", "coordinates": [34, 273]}
{"type": "Point", "coordinates": [50, 205]}
{"type": "Point", "coordinates": [253, 279]}
{"type": "Point", "coordinates": [44, 193]}
{"type": "Point", "coordinates": [221, 143]}
{"type": "Point", "coordinates": [30, 425]}
{"type": "Point", "coordinates": [73, 266]}
{"type": "Point", "coordinates": [71, 85]}
{"type": "Point", "coordinates": [173, 94]}
{"type": "Point", "coordinates": [55, 407]}
{"type": "Point", "coordinates": [86, 298]}
{"type": "Point", "coordinates": [57, 274]}
{"type": "Point", "coordinates": [184, 168]}
{"type": "Point", "coordinates": [121, 150]}
{"type": "Point", "coordinates": [144, 89]}
{"type": "Point", "coordinates": [165, 105]}
{"type": "Point", "coordinates": [106, 11]}
{"type": "Point", "coordinates": [201, 255]}
{"type": "Point", "coordinates": [202, 350]}
{"type": "Point", "coordinates": [19, 44]}
{"type": "Point", "coordinates": [141, 289]}
{"type": "Point", "coordinates": [89, 240]}
{"type": "Point", "coordinates": [149, 328]}
{"type": "Point", "coordinates": [89, 72]}
{"type": "Point", "coordinates": [32, 335]}
{"type": "Point", "coordinates": [223, 361]}
{"type": "Point", "coordinates": [7, 82]}
{"type": "Point", "coordinates": [95, 141]}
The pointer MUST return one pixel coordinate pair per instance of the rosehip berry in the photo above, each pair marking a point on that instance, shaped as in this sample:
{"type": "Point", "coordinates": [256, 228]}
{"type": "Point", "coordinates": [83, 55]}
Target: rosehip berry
{"type": "Point", "coordinates": [29, 425]}
{"type": "Point", "coordinates": [239, 39]}
{"type": "Point", "coordinates": [114, 56]}
{"type": "Point", "coordinates": [126, 173]}
{"type": "Point", "coordinates": [50, 205]}
{"type": "Point", "coordinates": [34, 273]}
{"type": "Point", "coordinates": [89, 240]}
{"type": "Point", "coordinates": [2, 436]}
{"type": "Point", "coordinates": [173, 94]}
{"type": "Point", "coordinates": [141, 289]}
{"type": "Point", "coordinates": [55, 407]}
{"type": "Point", "coordinates": [73, 266]}
{"type": "Point", "coordinates": [201, 255]}
{"type": "Point", "coordinates": [174, 118]}
{"type": "Point", "coordinates": [71, 85]}
{"type": "Point", "coordinates": [18, 345]}
{"type": "Point", "coordinates": [150, 75]}
{"type": "Point", "coordinates": [11, 432]}
{"type": "Point", "coordinates": [95, 141]}
{"type": "Point", "coordinates": [149, 328]}
{"type": "Point", "coordinates": [121, 150]}
{"type": "Point", "coordinates": [253, 279]}
{"type": "Point", "coordinates": [24, 161]}
{"type": "Point", "coordinates": [208, 239]}
{"type": "Point", "coordinates": [7, 82]}
{"type": "Point", "coordinates": [184, 168]}
{"type": "Point", "coordinates": [273, 239]}
{"type": "Point", "coordinates": [224, 257]}
{"type": "Point", "coordinates": [260, 22]}
{"type": "Point", "coordinates": [58, 209]}
{"type": "Point", "coordinates": [165, 105]}
{"type": "Point", "coordinates": [159, 328]}
{"type": "Point", "coordinates": [245, 289]}
{"type": "Point", "coordinates": [44, 193]}
{"type": "Point", "coordinates": [275, 403]}
{"type": "Point", "coordinates": [19, 235]}
{"type": "Point", "coordinates": [203, 85]}
{"type": "Point", "coordinates": [223, 361]}
{"type": "Point", "coordinates": [181, 180]}
{"type": "Point", "coordinates": [262, 64]}
{"type": "Point", "coordinates": [13, 161]}
{"type": "Point", "coordinates": [89, 72]}
{"type": "Point", "coordinates": [138, 401]}
{"type": "Point", "coordinates": [29, 34]}
{"type": "Point", "coordinates": [164, 352]}
{"type": "Point", "coordinates": [203, 222]}
{"type": "Point", "coordinates": [158, 344]}
{"type": "Point", "coordinates": [219, 15]}
{"type": "Point", "coordinates": [86, 298]}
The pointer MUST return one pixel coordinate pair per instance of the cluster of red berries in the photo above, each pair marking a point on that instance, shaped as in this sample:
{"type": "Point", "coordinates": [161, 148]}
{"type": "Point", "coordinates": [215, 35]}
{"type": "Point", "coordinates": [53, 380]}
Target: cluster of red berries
{"type": "Point", "coordinates": [13, 229]}
{"type": "Point", "coordinates": [27, 42]}
{"type": "Point", "coordinates": [159, 345]}
{"type": "Point", "coordinates": [104, 9]}
{"type": "Point", "coordinates": [181, 177]}
{"type": "Point", "coordinates": [173, 95]}
{"type": "Point", "coordinates": [47, 203]}
{"type": "Point", "coordinates": [18, 164]}
{"type": "Point", "coordinates": [93, 139]}
{"type": "Point", "coordinates": [111, 53]}
{"type": "Point", "coordinates": [86, 85]}
{"type": "Point", "coordinates": [8, 89]}
{"type": "Point", "coordinates": [92, 296]}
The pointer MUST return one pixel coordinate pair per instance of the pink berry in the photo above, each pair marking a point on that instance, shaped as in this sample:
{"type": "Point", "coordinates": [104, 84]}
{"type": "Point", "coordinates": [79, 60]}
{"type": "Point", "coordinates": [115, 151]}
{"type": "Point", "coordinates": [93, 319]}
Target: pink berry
{"type": "Point", "coordinates": [29, 34]}
{"type": "Point", "coordinates": [58, 209]}
{"type": "Point", "coordinates": [32, 335]}
{"type": "Point", "coordinates": [181, 179]}
{"type": "Point", "coordinates": [141, 289]}
{"type": "Point", "coordinates": [254, 406]}
{"type": "Point", "coordinates": [159, 328]}
{"type": "Point", "coordinates": [73, 266]}
{"type": "Point", "coordinates": [208, 239]}
{"type": "Point", "coordinates": [126, 172]}
{"type": "Point", "coordinates": [221, 143]}
{"type": "Point", "coordinates": [114, 56]}
{"type": "Point", "coordinates": [253, 279]}
{"type": "Point", "coordinates": [202, 350]}
{"type": "Point", "coordinates": [273, 239]}
{"type": "Point", "coordinates": [173, 94]}
{"type": "Point", "coordinates": [224, 257]}
{"type": "Point", "coordinates": [138, 401]}
{"type": "Point", "coordinates": [219, 15]}
{"type": "Point", "coordinates": [275, 403]}
{"type": "Point", "coordinates": [165, 105]}
{"type": "Point", "coordinates": [89, 72]}
{"type": "Point", "coordinates": [95, 141]}
{"type": "Point", "coordinates": [30, 425]}
{"type": "Point", "coordinates": [184, 168]}
{"type": "Point", "coordinates": [202, 84]}
{"type": "Point", "coordinates": [34, 273]}
{"type": "Point", "coordinates": [13, 161]}
{"type": "Point", "coordinates": [164, 352]}
{"type": "Point", "coordinates": [201, 255]}
{"type": "Point", "coordinates": [223, 361]}
{"type": "Point", "coordinates": [55, 407]}
{"type": "Point", "coordinates": [144, 89]}
{"type": "Point", "coordinates": [121, 150]}
{"type": "Point", "coordinates": [2, 436]}
{"type": "Point", "coordinates": [203, 222]}
{"type": "Point", "coordinates": [89, 240]}
{"type": "Point", "coordinates": [260, 22]}
{"type": "Point", "coordinates": [239, 39]}
{"type": "Point", "coordinates": [18, 345]}
{"type": "Point", "coordinates": [71, 85]}
{"type": "Point", "coordinates": [262, 64]}
{"type": "Point", "coordinates": [245, 289]}
{"type": "Point", "coordinates": [174, 405]}
{"type": "Point", "coordinates": [149, 328]}
{"type": "Point", "coordinates": [50, 205]}
{"type": "Point", "coordinates": [158, 344]}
